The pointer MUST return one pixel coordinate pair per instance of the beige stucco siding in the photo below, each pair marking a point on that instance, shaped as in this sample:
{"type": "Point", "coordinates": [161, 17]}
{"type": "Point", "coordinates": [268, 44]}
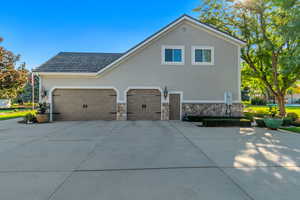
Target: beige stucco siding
{"type": "Point", "coordinates": [198, 83]}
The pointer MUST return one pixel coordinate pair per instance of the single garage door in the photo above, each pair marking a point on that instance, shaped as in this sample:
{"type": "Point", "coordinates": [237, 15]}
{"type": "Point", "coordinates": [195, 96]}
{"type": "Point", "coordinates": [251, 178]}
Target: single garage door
{"type": "Point", "coordinates": [84, 104]}
{"type": "Point", "coordinates": [143, 104]}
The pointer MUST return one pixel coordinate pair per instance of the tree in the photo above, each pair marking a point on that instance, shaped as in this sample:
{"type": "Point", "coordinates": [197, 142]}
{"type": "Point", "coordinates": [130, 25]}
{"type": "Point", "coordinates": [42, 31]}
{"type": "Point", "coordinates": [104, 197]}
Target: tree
{"type": "Point", "coordinates": [271, 30]}
{"type": "Point", "coordinates": [25, 94]}
{"type": "Point", "coordinates": [255, 86]}
{"type": "Point", "coordinates": [12, 79]}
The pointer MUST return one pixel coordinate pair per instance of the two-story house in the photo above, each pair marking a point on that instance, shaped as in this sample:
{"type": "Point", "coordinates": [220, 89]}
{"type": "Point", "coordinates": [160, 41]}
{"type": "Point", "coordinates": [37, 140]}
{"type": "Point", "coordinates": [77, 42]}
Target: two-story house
{"type": "Point", "coordinates": [183, 69]}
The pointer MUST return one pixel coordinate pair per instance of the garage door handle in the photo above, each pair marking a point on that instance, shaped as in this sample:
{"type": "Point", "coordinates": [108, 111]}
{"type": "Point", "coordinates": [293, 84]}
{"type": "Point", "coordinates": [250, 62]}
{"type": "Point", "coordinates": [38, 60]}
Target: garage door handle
{"type": "Point", "coordinates": [158, 112]}
{"type": "Point", "coordinates": [113, 113]}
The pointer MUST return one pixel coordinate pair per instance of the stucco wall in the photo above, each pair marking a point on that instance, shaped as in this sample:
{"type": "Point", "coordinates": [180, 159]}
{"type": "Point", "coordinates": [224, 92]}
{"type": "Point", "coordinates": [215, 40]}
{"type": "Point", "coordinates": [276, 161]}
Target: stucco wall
{"type": "Point", "coordinates": [198, 83]}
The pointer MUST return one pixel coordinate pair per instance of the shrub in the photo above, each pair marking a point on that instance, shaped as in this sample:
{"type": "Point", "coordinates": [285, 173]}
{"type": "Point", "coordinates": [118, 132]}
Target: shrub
{"type": "Point", "coordinates": [273, 111]}
{"type": "Point", "coordinates": [296, 123]}
{"type": "Point", "coordinates": [258, 101]}
{"type": "Point", "coordinates": [249, 115]}
{"type": "Point", "coordinates": [293, 116]}
{"type": "Point", "coordinates": [201, 118]}
{"type": "Point", "coordinates": [261, 113]}
{"type": "Point", "coordinates": [42, 108]}
{"type": "Point", "coordinates": [30, 117]}
{"type": "Point", "coordinates": [287, 121]}
{"type": "Point", "coordinates": [246, 103]}
{"type": "Point", "coordinates": [219, 122]}
{"type": "Point", "coordinates": [260, 122]}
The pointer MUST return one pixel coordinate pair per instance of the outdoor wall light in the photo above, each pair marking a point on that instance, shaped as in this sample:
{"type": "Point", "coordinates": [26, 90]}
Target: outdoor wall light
{"type": "Point", "coordinates": [45, 93]}
{"type": "Point", "coordinates": [166, 92]}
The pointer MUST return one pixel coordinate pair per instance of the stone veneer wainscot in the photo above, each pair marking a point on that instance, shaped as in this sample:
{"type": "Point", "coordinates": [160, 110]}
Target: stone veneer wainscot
{"type": "Point", "coordinates": [210, 109]}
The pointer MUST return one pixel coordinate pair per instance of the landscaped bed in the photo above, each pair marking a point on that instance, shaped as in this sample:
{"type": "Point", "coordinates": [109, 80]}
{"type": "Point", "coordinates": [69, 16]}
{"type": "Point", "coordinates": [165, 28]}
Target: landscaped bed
{"type": "Point", "coordinates": [260, 114]}
{"type": "Point", "coordinates": [265, 109]}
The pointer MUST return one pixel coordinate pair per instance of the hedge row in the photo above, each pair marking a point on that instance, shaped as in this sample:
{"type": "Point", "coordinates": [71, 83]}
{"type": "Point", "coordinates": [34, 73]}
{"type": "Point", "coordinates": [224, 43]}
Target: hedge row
{"type": "Point", "coordinates": [201, 118]}
{"type": "Point", "coordinates": [226, 122]}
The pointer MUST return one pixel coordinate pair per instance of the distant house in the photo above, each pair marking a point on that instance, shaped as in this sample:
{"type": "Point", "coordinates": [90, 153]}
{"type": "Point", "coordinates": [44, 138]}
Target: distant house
{"type": "Point", "coordinates": [183, 69]}
{"type": "Point", "coordinates": [5, 103]}
{"type": "Point", "coordinates": [294, 98]}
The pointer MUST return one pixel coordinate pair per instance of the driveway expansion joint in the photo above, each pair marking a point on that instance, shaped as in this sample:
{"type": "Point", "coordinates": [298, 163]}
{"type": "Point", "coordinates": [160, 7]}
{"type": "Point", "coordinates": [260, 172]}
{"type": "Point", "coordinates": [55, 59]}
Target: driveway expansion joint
{"type": "Point", "coordinates": [217, 167]}
{"type": "Point", "coordinates": [77, 167]}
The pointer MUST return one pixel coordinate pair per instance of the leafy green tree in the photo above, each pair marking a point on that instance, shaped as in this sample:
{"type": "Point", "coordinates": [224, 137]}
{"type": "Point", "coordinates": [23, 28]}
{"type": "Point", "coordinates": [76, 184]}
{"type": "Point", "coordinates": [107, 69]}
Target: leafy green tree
{"type": "Point", "coordinates": [12, 78]}
{"type": "Point", "coordinates": [255, 86]}
{"type": "Point", "coordinates": [25, 95]}
{"type": "Point", "coordinates": [271, 30]}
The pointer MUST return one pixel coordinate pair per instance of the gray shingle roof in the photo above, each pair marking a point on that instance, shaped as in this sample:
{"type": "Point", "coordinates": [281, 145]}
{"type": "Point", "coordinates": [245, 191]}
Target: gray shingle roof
{"type": "Point", "coordinates": [78, 62]}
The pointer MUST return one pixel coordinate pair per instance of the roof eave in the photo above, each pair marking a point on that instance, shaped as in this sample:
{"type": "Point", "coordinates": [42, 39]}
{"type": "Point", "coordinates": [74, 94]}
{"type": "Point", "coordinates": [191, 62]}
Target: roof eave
{"type": "Point", "coordinates": [91, 74]}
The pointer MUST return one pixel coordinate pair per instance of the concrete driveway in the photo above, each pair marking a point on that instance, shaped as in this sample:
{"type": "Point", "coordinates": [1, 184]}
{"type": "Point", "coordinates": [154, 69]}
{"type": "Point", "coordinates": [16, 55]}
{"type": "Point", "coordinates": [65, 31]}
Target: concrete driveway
{"type": "Point", "coordinates": [146, 160]}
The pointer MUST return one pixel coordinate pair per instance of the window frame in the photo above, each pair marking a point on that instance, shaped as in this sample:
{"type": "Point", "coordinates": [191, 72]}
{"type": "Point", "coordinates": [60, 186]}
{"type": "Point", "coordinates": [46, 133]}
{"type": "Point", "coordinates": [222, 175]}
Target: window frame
{"type": "Point", "coordinates": [164, 47]}
{"type": "Point", "coordinates": [194, 48]}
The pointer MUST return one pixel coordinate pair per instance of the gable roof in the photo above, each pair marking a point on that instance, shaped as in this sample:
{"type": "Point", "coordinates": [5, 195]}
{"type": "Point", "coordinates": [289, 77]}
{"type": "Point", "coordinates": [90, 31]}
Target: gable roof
{"type": "Point", "coordinates": [191, 19]}
{"type": "Point", "coordinates": [78, 62]}
{"type": "Point", "coordinates": [99, 62]}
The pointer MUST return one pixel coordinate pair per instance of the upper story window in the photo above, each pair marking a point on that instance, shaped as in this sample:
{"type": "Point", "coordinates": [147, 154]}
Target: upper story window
{"type": "Point", "coordinates": [202, 55]}
{"type": "Point", "coordinates": [173, 55]}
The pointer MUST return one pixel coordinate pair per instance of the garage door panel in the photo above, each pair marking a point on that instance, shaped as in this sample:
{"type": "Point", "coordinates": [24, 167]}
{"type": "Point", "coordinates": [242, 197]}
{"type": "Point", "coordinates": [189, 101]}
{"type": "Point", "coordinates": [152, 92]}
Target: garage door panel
{"type": "Point", "coordinates": [68, 104]}
{"type": "Point", "coordinates": [144, 104]}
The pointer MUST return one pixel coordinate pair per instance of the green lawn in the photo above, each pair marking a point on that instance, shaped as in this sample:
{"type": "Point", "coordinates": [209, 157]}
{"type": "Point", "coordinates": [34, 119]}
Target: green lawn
{"type": "Point", "coordinates": [292, 129]}
{"type": "Point", "coordinates": [266, 109]}
{"type": "Point", "coordinates": [12, 110]}
{"type": "Point", "coordinates": [12, 115]}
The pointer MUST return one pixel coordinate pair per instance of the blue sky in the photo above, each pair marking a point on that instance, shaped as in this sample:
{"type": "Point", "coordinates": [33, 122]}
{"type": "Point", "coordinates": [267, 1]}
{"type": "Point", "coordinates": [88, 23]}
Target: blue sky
{"type": "Point", "coordinates": [37, 30]}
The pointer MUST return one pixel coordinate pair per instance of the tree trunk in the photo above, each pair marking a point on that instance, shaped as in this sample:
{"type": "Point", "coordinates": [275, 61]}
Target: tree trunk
{"type": "Point", "coordinates": [281, 105]}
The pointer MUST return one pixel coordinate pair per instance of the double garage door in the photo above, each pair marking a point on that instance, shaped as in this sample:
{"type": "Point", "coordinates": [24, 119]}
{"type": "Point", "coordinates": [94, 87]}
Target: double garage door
{"type": "Point", "coordinates": [101, 104]}
{"type": "Point", "coordinates": [84, 104]}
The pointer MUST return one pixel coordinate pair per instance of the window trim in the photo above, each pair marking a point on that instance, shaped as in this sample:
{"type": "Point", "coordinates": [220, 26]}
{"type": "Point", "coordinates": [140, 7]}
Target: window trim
{"type": "Point", "coordinates": [182, 47]}
{"type": "Point", "coordinates": [203, 47]}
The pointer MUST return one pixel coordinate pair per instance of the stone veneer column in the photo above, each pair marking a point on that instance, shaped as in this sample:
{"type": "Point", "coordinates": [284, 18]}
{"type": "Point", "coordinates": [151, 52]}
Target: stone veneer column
{"type": "Point", "coordinates": [121, 111]}
{"type": "Point", "coordinates": [165, 111]}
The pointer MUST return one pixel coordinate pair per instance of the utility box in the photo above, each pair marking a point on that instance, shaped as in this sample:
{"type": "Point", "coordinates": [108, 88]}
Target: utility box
{"type": "Point", "coordinates": [228, 98]}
